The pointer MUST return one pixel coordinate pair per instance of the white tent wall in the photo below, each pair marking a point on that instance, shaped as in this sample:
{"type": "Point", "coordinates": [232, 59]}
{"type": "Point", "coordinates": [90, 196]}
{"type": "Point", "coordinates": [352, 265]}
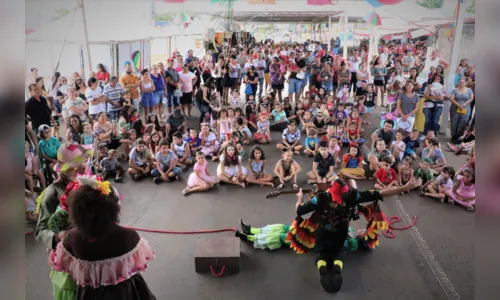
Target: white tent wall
{"type": "Point", "coordinates": [45, 56]}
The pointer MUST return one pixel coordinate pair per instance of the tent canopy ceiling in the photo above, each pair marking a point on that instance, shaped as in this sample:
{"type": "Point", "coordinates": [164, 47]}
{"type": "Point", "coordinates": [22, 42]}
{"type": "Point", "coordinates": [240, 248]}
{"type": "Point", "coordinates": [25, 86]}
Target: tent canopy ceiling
{"type": "Point", "coordinates": [106, 31]}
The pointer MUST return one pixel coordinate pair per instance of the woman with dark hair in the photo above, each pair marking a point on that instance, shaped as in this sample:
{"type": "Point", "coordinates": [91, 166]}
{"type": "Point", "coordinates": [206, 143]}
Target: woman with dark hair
{"type": "Point", "coordinates": [102, 75]}
{"type": "Point", "coordinates": [433, 105]}
{"type": "Point", "coordinates": [55, 85]}
{"type": "Point", "coordinates": [147, 86]}
{"type": "Point", "coordinates": [105, 131]}
{"type": "Point", "coordinates": [252, 79]}
{"type": "Point", "coordinates": [460, 109]}
{"type": "Point", "coordinates": [202, 98]}
{"type": "Point", "coordinates": [41, 83]}
{"type": "Point", "coordinates": [75, 130]}
{"type": "Point", "coordinates": [105, 259]}
{"type": "Point", "coordinates": [379, 72]}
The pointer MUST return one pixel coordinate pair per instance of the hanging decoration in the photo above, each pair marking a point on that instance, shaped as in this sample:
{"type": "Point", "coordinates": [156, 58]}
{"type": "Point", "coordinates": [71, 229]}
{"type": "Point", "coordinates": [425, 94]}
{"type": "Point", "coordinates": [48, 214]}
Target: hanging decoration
{"type": "Point", "coordinates": [261, 1]}
{"type": "Point", "coordinates": [373, 19]}
{"type": "Point", "coordinates": [136, 60]}
{"type": "Point", "coordinates": [320, 2]}
{"type": "Point", "coordinates": [449, 33]}
{"type": "Point", "coordinates": [379, 3]}
{"type": "Point", "coordinates": [182, 19]}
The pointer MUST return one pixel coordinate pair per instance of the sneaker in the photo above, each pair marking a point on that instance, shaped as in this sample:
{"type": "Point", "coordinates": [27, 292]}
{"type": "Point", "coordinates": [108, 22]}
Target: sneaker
{"type": "Point", "coordinates": [422, 138]}
{"type": "Point", "coordinates": [157, 180]}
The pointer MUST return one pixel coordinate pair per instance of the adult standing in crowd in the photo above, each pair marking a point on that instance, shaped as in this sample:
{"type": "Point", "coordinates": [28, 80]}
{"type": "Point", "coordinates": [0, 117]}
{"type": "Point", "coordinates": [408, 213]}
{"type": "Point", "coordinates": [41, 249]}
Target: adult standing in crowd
{"type": "Point", "coordinates": [37, 108]}
{"type": "Point", "coordinates": [315, 71]}
{"type": "Point", "coordinates": [242, 59]}
{"type": "Point", "coordinates": [202, 98]}
{"type": "Point", "coordinates": [407, 107]}
{"type": "Point", "coordinates": [131, 82]}
{"type": "Point", "coordinates": [309, 58]}
{"type": "Point", "coordinates": [188, 81]}
{"type": "Point", "coordinates": [173, 84]}
{"type": "Point", "coordinates": [260, 66]}
{"type": "Point", "coordinates": [354, 61]}
{"type": "Point", "coordinates": [148, 101]}
{"type": "Point", "coordinates": [278, 72]}
{"type": "Point", "coordinates": [297, 67]}
{"type": "Point", "coordinates": [460, 110]}
{"type": "Point", "coordinates": [267, 74]}
{"type": "Point", "coordinates": [159, 83]}
{"type": "Point", "coordinates": [113, 91]}
{"type": "Point", "coordinates": [102, 75]}
{"type": "Point", "coordinates": [379, 71]}
{"type": "Point", "coordinates": [326, 78]}
{"type": "Point", "coordinates": [95, 98]}
{"type": "Point", "coordinates": [433, 105]}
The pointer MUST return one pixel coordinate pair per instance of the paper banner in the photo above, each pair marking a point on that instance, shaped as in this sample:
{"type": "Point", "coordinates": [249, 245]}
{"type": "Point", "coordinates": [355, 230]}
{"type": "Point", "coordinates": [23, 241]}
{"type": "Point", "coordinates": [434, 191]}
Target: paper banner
{"type": "Point", "coordinates": [261, 1]}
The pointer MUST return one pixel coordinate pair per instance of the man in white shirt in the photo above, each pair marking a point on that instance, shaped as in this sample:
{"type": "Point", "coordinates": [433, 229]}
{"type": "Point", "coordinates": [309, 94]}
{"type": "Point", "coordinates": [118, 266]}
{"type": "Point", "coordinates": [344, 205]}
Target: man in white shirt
{"type": "Point", "coordinates": [95, 98]}
{"type": "Point", "coordinates": [113, 91]}
{"type": "Point", "coordinates": [385, 55]}
{"type": "Point", "coordinates": [260, 65]}
{"type": "Point", "coordinates": [408, 60]}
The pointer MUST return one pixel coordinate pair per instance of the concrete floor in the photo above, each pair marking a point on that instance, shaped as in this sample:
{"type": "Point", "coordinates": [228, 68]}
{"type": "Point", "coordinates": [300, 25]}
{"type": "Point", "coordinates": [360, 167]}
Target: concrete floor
{"type": "Point", "coordinates": [398, 269]}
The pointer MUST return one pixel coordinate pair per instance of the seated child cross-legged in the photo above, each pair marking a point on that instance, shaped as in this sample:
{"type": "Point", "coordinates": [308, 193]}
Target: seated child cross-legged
{"type": "Point", "coordinates": [425, 173]}
{"type": "Point", "coordinates": [441, 184]}
{"type": "Point", "coordinates": [230, 169]}
{"type": "Point", "coordinates": [140, 161]}
{"type": "Point", "coordinates": [291, 139]}
{"type": "Point", "coordinates": [352, 164]}
{"type": "Point", "coordinates": [405, 173]}
{"type": "Point", "coordinates": [353, 135]}
{"type": "Point", "coordinates": [438, 161]}
{"type": "Point", "coordinates": [323, 166]}
{"type": "Point", "coordinates": [287, 169]}
{"type": "Point", "coordinates": [464, 190]}
{"type": "Point", "coordinates": [311, 143]}
{"type": "Point", "coordinates": [386, 176]}
{"type": "Point", "coordinates": [334, 149]}
{"type": "Point", "coordinates": [111, 167]}
{"type": "Point", "coordinates": [200, 180]}
{"type": "Point", "coordinates": [181, 150]}
{"type": "Point", "coordinates": [412, 144]}
{"type": "Point", "coordinates": [194, 141]}
{"type": "Point", "coordinates": [263, 134]}
{"type": "Point", "coordinates": [256, 164]}
{"type": "Point", "coordinates": [166, 164]}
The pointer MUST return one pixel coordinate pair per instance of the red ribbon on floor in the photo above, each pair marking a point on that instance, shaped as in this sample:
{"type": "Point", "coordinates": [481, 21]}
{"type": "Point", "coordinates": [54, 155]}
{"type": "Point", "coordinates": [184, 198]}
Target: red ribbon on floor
{"type": "Point", "coordinates": [389, 233]}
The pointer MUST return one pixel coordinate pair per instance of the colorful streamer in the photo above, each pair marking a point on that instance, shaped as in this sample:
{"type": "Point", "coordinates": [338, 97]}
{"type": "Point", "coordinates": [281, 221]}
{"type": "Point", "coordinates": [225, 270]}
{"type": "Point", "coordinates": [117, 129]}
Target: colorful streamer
{"type": "Point", "coordinates": [320, 2]}
{"type": "Point", "coordinates": [379, 3]}
{"type": "Point", "coordinates": [136, 60]}
{"type": "Point", "coordinates": [373, 19]}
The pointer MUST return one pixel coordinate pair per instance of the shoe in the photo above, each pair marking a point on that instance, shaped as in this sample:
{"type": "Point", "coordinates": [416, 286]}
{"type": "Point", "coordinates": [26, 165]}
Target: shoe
{"type": "Point", "coordinates": [422, 138]}
{"type": "Point", "coordinates": [241, 235]}
{"type": "Point", "coordinates": [119, 179]}
{"type": "Point", "coordinates": [244, 227]}
{"type": "Point", "coordinates": [157, 180]}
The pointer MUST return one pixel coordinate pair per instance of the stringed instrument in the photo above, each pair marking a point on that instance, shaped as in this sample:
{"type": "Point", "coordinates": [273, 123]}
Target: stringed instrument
{"type": "Point", "coordinates": [320, 187]}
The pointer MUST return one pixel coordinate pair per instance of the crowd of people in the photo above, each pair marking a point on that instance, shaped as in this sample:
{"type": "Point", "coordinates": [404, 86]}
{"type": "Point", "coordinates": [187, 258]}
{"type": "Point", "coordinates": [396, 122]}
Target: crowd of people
{"type": "Point", "coordinates": [329, 106]}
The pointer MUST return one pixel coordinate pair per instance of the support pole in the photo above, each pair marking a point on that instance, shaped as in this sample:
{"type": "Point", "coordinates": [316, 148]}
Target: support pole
{"type": "Point", "coordinates": [346, 19]}
{"type": "Point", "coordinates": [330, 31]}
{"type": "Point", "coordinates": [86, 36]}
{"type": "Point", "coordinates": [450, 79]}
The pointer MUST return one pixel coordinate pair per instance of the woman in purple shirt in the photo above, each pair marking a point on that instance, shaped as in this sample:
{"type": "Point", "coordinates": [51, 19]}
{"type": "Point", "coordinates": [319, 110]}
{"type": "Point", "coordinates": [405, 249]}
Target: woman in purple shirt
{"type": "Point", "coordinates": [159, 83]}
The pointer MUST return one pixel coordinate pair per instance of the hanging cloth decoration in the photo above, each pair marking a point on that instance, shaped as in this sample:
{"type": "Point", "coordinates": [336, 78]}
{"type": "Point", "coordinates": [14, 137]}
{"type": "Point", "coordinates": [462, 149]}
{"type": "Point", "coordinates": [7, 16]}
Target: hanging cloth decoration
{"type": "Point", "coordinates": [180, 18]}
{"type": "Point", "coordinates": [136, 60]}
{"type": "Point", "coordinates": [373, 19]}
{"type": "Point", "coordinates": [319, 2]}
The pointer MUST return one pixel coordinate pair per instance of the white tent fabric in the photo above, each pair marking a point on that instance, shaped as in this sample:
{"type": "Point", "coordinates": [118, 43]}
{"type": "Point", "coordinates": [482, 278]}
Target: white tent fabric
{"type": "Point", "coordinates": [105, 31]}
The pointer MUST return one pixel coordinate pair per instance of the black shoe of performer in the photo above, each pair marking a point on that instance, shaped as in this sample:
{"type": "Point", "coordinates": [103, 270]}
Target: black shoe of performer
{"type": "Point", "coordinates": [244, 227]}
{"type": "Point", "coordinates": [331, 280]}
{"type": "Point", "coordinates": [241, 235]}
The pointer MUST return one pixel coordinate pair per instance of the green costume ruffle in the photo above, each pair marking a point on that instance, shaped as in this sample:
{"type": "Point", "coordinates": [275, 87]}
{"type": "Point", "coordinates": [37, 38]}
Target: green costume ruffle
{"type": "Point", "coordinates": [63, 286]}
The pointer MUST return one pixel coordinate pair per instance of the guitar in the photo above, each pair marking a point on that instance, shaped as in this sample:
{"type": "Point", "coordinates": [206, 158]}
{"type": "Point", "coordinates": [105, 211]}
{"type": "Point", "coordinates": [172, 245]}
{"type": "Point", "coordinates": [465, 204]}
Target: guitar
{"type": "Point", "coordinates": [320, 187]}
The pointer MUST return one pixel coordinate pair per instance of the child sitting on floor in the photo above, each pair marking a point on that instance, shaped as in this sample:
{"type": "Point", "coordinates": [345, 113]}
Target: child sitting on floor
{"type": "Point", "coordinates": [311, 143]}
{"type": "Point", "coordinates": [194, 141]}
{"type": "Point", "coordinates": [398, 146]}
{"type": "Point", "coordinates": [441, 185]}
{"type": "Point", "coordinates": [230, 169]}
{"type": "Point", "coordinates": [201, 179]}
{"type": "Point", "coordinates": [376, 155]}
{"type": "Point", "coordinates": [279, 120]}
{"type": "Point", "coordinates": [435, 154]}
{"type": "Point", "coordinates": [405, 172]}
{"type": "Point", "coordinates": [111, 167]}
{"type": "Point", "coordinates": [140, 161]}
{"type": "Point", "coordinates": [153, 142]}
{"type": "Point", "coordinates": [307, 122]}
{"type": "Point", "coordinates": [334, 149]}
{"type": "Point", "coordinates": [464, 190]}
{"type": "Point", "coordinates": [323, 166]}
{"type": "Point", "coordinates": [209, 144]}
{"type": "Point", "coordinates": [412, 144]}
{"type": "Point", "coordinates": [287, 169]}
{"type": "Point", "coordinates": [343, 92]}
{"type": "Point", "coordinates": [181, 150]}
{"type": "Point", "coordinates": [256, 164]}
{"type": "Point", "coordinates": [340, 115]}
{"type": "Point", "coordinates": [353, 136]}
{"type": "Point", "coordinates": [291, 139]}
{"type": "Point", "coordinates": [386, 176]}
{"type": "Point", "coordinates": [166, 169]}
{"type": "Point", "coordinates": [263, 134]}
{"type": "Point", "coordinates": [425, 173]}
{"type": "Point", "coordinates": [352, 164]}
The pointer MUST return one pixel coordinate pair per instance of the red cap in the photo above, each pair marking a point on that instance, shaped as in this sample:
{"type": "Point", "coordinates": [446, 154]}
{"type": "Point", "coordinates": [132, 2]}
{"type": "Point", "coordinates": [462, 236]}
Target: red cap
{"type": "Point", "coordinates": [337, 189]}
{"type": "Point", "coordinates": [170, 60]}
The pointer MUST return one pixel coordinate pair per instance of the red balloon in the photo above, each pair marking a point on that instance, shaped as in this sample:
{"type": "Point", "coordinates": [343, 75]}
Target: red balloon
{"type": "Point", "coordinates": [389, 2]}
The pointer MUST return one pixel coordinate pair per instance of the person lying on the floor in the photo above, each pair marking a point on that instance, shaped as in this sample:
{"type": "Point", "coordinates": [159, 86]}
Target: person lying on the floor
{"type": "Point", "coordinates": [273, 237]}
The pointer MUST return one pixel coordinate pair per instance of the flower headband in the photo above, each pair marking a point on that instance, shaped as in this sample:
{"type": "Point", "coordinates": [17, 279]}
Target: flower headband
{"type": "Point", "coordinates": [94, 182]}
